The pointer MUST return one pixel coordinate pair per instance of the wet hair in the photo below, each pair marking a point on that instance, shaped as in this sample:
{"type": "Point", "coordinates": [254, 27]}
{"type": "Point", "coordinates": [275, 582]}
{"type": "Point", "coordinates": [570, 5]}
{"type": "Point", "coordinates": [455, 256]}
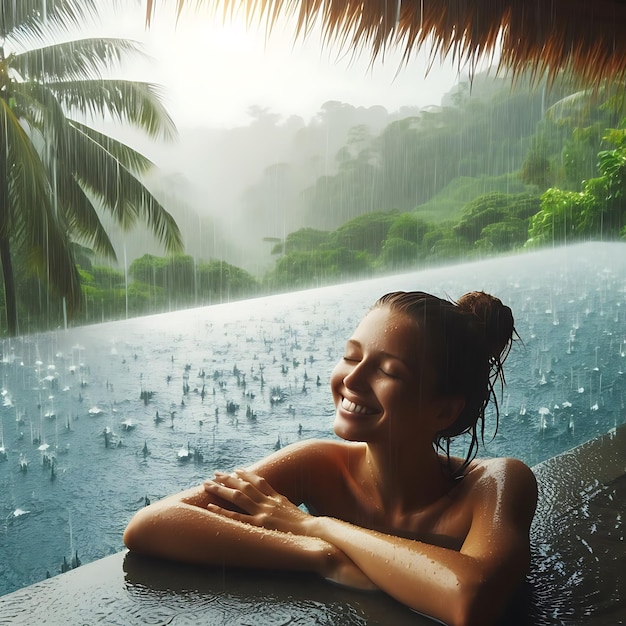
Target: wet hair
{"type": "Point", "coordinates": [466, 342]}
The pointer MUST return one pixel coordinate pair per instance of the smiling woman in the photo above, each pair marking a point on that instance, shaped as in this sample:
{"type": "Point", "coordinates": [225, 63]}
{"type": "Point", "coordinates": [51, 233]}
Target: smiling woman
{"type": "Point", "coordinates": [388, 507]}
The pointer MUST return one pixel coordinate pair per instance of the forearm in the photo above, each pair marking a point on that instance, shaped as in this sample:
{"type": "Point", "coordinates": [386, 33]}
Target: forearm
{"type": "Point", "coordinates": [180, 531]}
{"type": "Point", "coordinates": [436, 581]}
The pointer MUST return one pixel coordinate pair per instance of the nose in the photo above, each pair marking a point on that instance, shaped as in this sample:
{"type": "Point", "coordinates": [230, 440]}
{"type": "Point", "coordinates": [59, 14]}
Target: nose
{"type": "Point", "coordinates": [355, 376]}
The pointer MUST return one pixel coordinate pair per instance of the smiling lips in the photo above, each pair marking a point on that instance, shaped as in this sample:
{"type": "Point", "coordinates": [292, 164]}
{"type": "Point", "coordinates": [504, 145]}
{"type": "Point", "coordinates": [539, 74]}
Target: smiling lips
{"type": "Point", "coordinates": [351, 407]}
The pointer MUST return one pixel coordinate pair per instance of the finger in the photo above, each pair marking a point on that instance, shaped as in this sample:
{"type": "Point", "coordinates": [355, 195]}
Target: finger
{"type": "Point", "coordinates": [257, 481]}
{"type": "Point", "coordinates": [247, 483]}
{"type": "Point", "coordinates": [236, 491]}
{"type": "Point", "coordinates": [234, 515]}
{"type": "Point", "coordinates": [233, 495]}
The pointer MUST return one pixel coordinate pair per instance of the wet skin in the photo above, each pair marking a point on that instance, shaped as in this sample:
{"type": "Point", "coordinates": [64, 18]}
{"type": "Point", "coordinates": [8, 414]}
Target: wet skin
{"type": "Point", "coordinates": [389, 513]}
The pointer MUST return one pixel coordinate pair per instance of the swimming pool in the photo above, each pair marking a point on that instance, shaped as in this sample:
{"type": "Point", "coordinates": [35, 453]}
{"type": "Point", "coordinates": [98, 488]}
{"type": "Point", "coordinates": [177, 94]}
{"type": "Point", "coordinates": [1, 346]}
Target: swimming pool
{"type": "Point", "coordinates": [231, 382]}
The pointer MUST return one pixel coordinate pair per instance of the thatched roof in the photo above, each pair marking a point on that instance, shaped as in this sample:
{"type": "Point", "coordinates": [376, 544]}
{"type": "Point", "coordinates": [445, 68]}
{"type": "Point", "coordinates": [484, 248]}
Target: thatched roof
{"type": "Point", "coordinates": [543, 36]}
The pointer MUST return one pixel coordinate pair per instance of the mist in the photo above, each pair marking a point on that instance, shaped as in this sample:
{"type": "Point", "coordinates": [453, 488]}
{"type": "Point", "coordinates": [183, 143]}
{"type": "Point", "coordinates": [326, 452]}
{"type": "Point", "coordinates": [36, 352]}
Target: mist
{"type": "Point", "coordinates": [232, 189]}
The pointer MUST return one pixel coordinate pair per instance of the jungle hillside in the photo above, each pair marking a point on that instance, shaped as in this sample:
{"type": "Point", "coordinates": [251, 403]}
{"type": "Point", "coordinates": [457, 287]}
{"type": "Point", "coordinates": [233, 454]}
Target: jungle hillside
{"type": "Point", "coordinates": [287, 204]}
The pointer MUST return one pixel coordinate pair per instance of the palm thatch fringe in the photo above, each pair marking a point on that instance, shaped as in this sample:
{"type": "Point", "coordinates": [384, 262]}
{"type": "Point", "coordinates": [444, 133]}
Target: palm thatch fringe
{"type": "Point", "coordinates": [545, 37]}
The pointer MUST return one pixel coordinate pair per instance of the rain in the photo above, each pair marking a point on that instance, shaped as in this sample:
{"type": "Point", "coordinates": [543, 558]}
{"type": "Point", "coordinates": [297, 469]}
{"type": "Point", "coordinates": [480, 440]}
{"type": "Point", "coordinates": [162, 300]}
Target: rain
{"type": "Point", "coordinates": [178, 303]}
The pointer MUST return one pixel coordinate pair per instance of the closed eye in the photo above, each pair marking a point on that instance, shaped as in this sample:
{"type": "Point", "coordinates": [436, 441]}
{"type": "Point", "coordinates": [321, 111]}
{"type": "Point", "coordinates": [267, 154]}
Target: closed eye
{"type": "Point", "coordinates": [388, 374]}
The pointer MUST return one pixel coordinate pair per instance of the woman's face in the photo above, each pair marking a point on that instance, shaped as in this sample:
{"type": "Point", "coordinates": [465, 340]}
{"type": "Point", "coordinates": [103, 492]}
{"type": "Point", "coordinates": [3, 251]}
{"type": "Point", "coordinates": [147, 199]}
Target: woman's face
{"type": "Point", "coordinates": [383, 387]}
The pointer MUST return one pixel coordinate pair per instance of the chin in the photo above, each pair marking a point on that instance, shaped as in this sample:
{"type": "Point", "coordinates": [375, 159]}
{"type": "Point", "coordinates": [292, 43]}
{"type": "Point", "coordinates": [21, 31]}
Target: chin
{"type": "Point", "coordinates": [348, 431]}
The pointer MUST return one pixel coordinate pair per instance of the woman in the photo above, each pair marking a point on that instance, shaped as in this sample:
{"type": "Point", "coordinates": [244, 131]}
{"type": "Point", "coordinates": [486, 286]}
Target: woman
{"type": "Point", "coordinates": [388, 507]}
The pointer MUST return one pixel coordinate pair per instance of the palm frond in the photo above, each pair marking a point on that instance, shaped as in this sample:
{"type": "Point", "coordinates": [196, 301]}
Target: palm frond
{"type": "Point", "coordinates": [73, 60]}
{"type": "Point", "coordinates": [25, 170]}
{"type": "Point", "coordinates": [38, 107]}
{"type": "Point", "coordinates": [125, 101]}
{"type": "Point", "coordinates": [73, 152]}
{"type": "Point", "coordinates": [82, 218]}
{"type": "Point", "coordinates": [37, 223]}
{"type": "Point", "coordinates": [134, 161]}
{"type": "Point", "coordinates": [573, 106]}
{"type": "Point", "coordinates": [24, 17]}
{"type": "Point", "coordinates": [122, 194]}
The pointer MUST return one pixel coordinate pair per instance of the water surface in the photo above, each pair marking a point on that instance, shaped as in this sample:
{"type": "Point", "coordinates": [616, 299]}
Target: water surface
{"type": "Point", "coordinates": [83, 448]}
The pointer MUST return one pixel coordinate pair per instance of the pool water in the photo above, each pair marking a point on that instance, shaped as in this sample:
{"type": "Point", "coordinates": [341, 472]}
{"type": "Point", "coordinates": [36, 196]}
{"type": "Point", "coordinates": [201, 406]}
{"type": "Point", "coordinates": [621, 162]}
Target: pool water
{"type": "Point", "coordinates": [97, 420]}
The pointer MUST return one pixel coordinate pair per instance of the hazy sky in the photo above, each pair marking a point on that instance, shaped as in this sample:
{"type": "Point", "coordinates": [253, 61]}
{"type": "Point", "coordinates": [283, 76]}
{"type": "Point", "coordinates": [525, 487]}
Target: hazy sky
{"type": "Point", "coordinates": [212, 72]}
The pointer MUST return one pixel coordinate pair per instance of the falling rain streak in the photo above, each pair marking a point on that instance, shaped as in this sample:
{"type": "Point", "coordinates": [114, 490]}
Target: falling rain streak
{"type": "Point", "coordinates": [100, 420]}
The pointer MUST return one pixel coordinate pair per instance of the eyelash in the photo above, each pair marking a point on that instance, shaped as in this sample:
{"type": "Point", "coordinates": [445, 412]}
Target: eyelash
{"type": "Point", "coordinates": [387, 373]}
{"type": "Point", "coordinates": [380, 369]}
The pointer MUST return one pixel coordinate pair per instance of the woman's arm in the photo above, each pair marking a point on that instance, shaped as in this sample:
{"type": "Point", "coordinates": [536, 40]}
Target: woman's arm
{"type": "Point", "coordinates": [181, 528]}
{"type": "Point", "coordinates": [471, 586]}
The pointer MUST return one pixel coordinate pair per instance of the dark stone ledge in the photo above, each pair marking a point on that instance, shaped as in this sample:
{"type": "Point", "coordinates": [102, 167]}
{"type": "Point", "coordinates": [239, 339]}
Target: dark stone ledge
{"type": "Point", "coordinates": [576, 577]}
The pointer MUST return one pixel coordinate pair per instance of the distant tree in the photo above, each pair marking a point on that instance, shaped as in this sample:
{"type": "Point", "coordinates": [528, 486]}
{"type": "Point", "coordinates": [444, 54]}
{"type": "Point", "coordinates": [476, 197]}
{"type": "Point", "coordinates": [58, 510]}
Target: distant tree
{"type": "Point", "coordinates": [537, 168]}
{"type": "Point", "coordinates": [492, 208]}
{"type": "Point", "coordinates": [365, 233]}
{"type": "Point", "coordinates": [219, 281]}
{"type": "Point", "coordinates": [398, 253]}
{"type": "Point", "coordinates": [598, 211]}
{"type": "Point", "coordinates": [175, 274]}
{"type": "Point", "coordinates": [297, 270]}
{"type": "Point", "coordinates": [147, 269]}
{"type": "Point", "coordinates": [556, 223]}
{"type": "Point", "coordinates": [409, 227]}
{"type": "Point", "coordinates": [302, 240]}
{"type": "Point", "coordinates": [501, 236]}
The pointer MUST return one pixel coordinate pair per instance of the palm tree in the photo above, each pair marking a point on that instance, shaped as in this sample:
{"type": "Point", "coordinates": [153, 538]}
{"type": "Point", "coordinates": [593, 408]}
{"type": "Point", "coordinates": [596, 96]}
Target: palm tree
{"type": "Point", "coordinates": [57, 173]}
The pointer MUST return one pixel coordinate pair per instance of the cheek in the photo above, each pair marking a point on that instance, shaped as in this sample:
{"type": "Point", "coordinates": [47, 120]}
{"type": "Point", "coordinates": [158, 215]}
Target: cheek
{"type": "Point", "coordinates": [336, 380]}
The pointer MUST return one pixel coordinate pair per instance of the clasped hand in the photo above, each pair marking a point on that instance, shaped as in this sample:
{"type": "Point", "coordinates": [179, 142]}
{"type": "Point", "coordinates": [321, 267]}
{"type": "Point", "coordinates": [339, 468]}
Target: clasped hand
{"type": "Point", "coordinates": [258, 503]}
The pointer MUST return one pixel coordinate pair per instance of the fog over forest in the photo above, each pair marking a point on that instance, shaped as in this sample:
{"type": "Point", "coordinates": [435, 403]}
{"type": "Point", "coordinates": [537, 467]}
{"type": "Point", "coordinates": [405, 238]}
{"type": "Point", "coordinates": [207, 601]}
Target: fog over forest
{"type": "Point", "coordinates": [226, 187]}
{"type": "Point", "coordinates": [239, 193]}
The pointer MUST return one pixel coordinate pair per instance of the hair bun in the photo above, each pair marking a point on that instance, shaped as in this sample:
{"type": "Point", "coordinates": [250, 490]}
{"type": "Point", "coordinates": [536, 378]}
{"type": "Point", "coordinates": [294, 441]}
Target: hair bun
{"type": "Point", "coordinates": [496, 318]}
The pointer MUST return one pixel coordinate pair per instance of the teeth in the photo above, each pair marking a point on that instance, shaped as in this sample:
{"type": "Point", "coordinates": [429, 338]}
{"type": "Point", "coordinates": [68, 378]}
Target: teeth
{"type": "Point", "coordinates": [353, 408]}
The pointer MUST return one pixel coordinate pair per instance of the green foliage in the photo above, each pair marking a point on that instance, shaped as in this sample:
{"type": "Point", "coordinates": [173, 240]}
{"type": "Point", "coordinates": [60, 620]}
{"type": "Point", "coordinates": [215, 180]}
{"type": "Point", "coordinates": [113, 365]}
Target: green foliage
{"type": "Point", "coordinates": [107, 277]}
{"type": "Point", "coordinates": [446, 247]}
{"type": "Point", "coordinates": [537, 168]}
{"type": "Point", "coordinates": [414, 159]}
{"type": "Point", "coordinates": [303, 240]}
{"type": "Point", "coordinates": [186, 282]}
{"type": "Point", "coordinates": [56, 172]}
{"type": "Point", "coordinates": [579, 155]}
{"type": "Point", "coordinates": [318, 267]}
{"type": "Point", "coordinates": [556, 222]}
{"type": "Point", "coordinates": [365, 233]}
{"type": "Point", "coordinates": [503, 235]}
{"type": "Point", "coordinates": [599, 210]}
{"type": "Point", "coordinates": [219, 281]}
{"type": "Point", "coordinates": [408, 227]}
{"type": "Point", "coordinates": [398, 253]}
{"type": "Point", "coordinates": [449, 203]}
{"type": "Point", "coordinates": [494, 208]}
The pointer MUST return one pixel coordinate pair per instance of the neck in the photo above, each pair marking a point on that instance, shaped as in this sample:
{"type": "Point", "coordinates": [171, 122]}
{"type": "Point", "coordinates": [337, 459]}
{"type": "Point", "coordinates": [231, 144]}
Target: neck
{"type": "Point", "coordinates": [406, 481]}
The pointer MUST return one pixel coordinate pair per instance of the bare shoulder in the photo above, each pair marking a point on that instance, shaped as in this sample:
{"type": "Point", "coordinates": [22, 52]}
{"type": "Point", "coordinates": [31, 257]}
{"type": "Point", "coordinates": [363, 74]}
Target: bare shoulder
{"type": "Point", "coordinates": [306, 451]}
{"type": "Point", "coordinates": [297, 470]}
{"type": "Point", "coordinates": [508, 482]}
{"type": "Point", "coordinates": [508, 470]}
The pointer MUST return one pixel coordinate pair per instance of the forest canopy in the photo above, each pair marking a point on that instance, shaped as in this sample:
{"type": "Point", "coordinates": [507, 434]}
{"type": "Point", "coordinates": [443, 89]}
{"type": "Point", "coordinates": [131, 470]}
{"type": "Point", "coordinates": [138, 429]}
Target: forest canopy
{"type": "Point", "coordinates": [495, 169]}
